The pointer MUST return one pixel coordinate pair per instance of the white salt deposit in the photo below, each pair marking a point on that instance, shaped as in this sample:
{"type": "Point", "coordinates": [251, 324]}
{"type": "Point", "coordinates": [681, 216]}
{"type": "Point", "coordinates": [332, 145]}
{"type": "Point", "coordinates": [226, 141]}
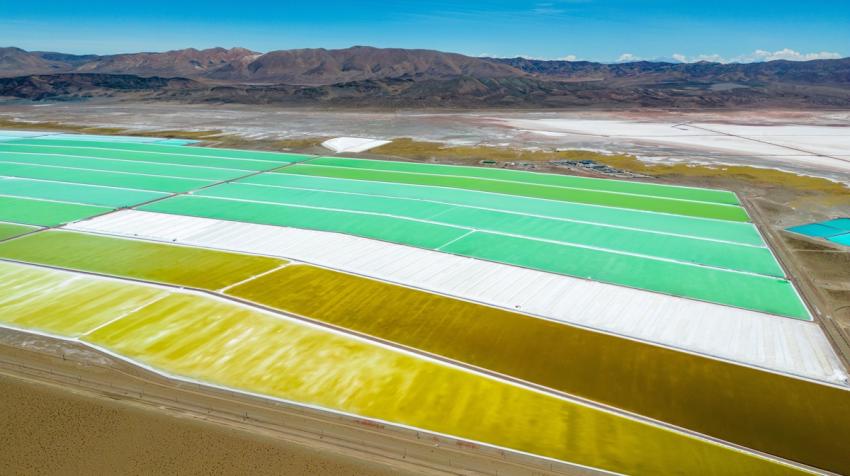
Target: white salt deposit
{"type": "Point", "coordinates": [352, 144]}
{"type": "Point", "coordinates": [819, 147]}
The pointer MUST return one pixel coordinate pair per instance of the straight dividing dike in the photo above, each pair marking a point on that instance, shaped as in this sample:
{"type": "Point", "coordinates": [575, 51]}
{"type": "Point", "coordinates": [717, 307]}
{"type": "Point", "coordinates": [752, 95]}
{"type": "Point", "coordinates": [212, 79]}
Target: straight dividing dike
{"type": "Point", "coordinates": [45, 228]}
{"type": "Point", "coordinates": [48, 200]}
{"type": "Point", "coordinates": [62, 182]}
{"type": "Point", "coordinates": [258, 172]}
{"type": "Point", "coordinates": [786, 465]}
{"type": "Point", "coordinates": [73, 193]}
{"type": "Point", "coordinates": [10, 230]}
{"type": "Point", "coordinates": [36, 212]}
{"type": "Point", "coordinates": [100, 178]}
{"type": "Point", "coordinates": [121, 316]}
{"type": "Point", "coordinates": [462, 227]}
{"type": "Point", "coordinates": [104, 171]}
{"type": "Point", "coordinates": [95, 152]}
{"type": "Point", "coordinates": [54, 227]}
{"type": "Point", "coordinates": [310, 163]}
{"type": "Point", "coordinates": [126, 166]}
{"type": "Point", "coordinates": [79, 301]}
{"type": "Point", "coordinates": [524, 176]}
{"type": "Point", "coordinates": [148, 202]}
{"type": "Point", "coordinates": [289, 174]}
{"type": "Point", "coordinates": [224, 290]}
{"type": "Point", "coordinates": [511, 212]}
{"type": "Point", "coordinates": [715, 211]}
{"type": "Point", "coordinates": [131, 161]}
{"type": "Point", "coordinates": [328, 219]}
{"type": "Point", "coordinates": [782, 307]}
{"type": "Point", "coordinates": [807, 315]}
{"type": "Point", "coordinates": [213, 152]}
{"type": "Point", "coordinates": [771, 301]}
{"type": "Point", "coordinates": [440, 248]}
{"type": "Point", "coordinates": [186, 266]}
{"type": "Point", "coordinates": [740, 257]}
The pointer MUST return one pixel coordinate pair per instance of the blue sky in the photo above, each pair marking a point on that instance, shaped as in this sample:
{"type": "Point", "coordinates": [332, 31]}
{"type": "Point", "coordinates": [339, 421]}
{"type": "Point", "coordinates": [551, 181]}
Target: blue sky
{"type": "Point", "coordinates": [596, 30]}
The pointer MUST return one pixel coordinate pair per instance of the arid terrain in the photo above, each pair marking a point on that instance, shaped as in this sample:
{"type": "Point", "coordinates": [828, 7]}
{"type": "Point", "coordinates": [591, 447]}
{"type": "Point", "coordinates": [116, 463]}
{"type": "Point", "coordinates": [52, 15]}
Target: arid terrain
{"type": "Point", "coordinates": [88, 434]}
{"type": "Point", "coordinates": [389, 78]}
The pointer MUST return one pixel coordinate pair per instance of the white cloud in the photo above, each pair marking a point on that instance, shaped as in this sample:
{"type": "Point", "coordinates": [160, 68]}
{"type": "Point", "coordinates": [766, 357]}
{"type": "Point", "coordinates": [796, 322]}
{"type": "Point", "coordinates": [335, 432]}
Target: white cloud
{"type": "Point", "coordinates": [627, 57]}
{"type": "Point", "coordinates": [759, 56]}
{"type": "Point", "coordinates": [787, 54]}
{"type": "Point", "coordinates": [754, 57]}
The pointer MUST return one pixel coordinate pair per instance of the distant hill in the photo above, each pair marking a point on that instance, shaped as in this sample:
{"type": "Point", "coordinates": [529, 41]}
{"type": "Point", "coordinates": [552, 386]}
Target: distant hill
{"type": "Point", "coordinates": [836, 72]}
{"type": "Point", "coordinates": [302, 67]}
{"type": "Point", "coordinates": [15, 61]}
{"type": "Point", "coordinates": [66, 86]}
{"type": "Point", "coordinates": [322, 67]}
{"type": "Point", "coordinates": [392, 77]}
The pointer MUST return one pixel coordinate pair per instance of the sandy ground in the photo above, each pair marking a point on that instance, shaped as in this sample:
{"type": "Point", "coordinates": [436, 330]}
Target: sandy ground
{"type": "Point", "coordinates": [49, 430]}
{"type": "Point", "coordinates": [813, 143]}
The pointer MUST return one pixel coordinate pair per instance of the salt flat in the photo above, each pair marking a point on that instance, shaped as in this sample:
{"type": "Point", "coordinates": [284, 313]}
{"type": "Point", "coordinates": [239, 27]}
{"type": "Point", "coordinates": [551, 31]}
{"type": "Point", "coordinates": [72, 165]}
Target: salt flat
{"type": "Point", "coordinates": [820, 147]}
{"type": "Point", "coordinates": [805, 142]}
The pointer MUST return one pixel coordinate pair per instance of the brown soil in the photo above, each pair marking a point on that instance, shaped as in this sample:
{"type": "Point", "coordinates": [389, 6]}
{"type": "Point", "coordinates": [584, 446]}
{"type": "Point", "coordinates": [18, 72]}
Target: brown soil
{"type": "Point", "coordinates": [45, 429]}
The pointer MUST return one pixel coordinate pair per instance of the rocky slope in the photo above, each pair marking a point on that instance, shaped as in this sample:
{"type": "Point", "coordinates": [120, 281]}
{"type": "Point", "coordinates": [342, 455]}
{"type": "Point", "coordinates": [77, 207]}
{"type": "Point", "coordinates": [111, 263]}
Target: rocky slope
{"type": "Point", "coordinates": [835, 72]}
{"type": "Point", "coordinates": [70, 86]}
{"type": "Point", "coordinates": [373, 77]}
{"type": "Point", "coordinates": [304, 66]}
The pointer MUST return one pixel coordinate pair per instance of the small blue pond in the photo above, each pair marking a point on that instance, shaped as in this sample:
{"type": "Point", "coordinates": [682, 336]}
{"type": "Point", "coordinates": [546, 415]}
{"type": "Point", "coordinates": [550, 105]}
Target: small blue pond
{"type": "Point", "coordinates": [836, 231]}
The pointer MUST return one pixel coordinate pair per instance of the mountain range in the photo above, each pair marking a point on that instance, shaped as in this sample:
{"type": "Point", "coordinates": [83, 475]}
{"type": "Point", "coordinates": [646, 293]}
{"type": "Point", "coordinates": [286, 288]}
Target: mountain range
{"type": "Point", "coordinates": [391, 77]}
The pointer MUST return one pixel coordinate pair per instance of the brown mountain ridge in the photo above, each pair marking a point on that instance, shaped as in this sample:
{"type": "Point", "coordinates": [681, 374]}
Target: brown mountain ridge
{"type": "Point", "coordinates": [392, 77]}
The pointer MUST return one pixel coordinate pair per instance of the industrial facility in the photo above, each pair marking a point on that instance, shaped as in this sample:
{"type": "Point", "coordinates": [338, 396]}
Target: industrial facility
{"type": "Point", "coordinates": [607, 325]}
